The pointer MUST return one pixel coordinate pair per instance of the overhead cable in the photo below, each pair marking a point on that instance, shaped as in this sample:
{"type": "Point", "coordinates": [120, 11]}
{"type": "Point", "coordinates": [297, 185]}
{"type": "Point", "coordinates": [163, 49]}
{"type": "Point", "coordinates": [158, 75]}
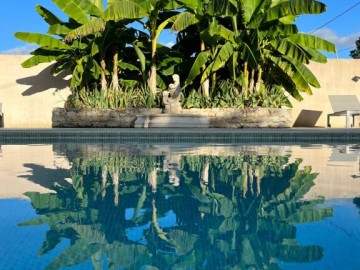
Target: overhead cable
{"type": "Point", "coordinates": [350, 8]}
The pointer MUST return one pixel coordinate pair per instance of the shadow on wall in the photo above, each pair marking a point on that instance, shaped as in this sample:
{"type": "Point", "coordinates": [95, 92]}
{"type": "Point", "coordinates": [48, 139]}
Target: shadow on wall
{"type": "Point", "coordinates": [47, 177]}
{"type": "Point", "coordinates": [44, 81]}
{"type": "Point", "coordinates": [307, 118]}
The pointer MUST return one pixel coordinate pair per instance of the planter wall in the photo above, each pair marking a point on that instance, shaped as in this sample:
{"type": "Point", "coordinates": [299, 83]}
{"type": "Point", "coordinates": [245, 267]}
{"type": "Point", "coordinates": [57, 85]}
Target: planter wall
{"type": "Point", "coordinates": [246, 118]}
{"type": "Point", "coordinates": [219, 118]}
{"type": "Point", "coordinates": [97, 118]}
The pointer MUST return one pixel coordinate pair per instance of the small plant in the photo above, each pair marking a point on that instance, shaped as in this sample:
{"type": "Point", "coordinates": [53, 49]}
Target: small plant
{"type": "Point", "coordinates": [225, 95]}
{"type": "Point", "coordinates": [138, 96]}
{"type": "Point", "coordinates": [273, 97]}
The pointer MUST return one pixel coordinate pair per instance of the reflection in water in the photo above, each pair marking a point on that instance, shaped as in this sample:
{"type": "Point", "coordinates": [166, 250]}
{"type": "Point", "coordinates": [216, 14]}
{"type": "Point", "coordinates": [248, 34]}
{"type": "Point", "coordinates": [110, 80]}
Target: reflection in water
{"type": "Point", "coordinates": [179, 211]}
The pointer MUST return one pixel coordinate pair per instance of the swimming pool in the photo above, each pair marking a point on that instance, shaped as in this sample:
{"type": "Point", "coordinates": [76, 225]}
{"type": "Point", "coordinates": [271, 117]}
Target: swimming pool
{"type": "Point", "coordinates": [179, 206]}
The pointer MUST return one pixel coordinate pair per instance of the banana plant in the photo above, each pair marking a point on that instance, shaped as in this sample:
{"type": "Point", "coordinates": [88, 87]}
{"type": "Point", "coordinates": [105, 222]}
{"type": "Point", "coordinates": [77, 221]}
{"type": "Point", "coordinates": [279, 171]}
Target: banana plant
{"type": "Point", "coordinates": [159, 14]}
{"type": "Point", "coordinates": [279, 53]}
{"type": "Point", "coordinates": [75, 55]}
{"type": "Point", "coordinates": [200, 14]}
{"type": "Point", "coordinates": [111, 35]}
{"type": "Point", "coordinates": [259, 44]}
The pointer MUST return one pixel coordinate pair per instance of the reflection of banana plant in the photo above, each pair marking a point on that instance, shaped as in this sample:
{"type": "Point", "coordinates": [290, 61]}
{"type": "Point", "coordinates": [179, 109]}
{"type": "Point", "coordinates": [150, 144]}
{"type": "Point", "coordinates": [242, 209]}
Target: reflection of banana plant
{"type": "Point", "coordinates": [257, 221]}
{"type": "Point", "coordinates": [357, 201]}
{"type": "Point", "coordinates": [230, 212]}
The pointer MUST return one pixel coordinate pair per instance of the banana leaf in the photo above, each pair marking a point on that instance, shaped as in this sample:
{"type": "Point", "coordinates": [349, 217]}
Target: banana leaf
{"type": "Point", "coordinates": [42, 40]}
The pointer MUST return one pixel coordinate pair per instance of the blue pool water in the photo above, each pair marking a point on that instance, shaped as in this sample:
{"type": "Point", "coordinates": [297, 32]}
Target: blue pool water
{"type": "Point", "coordinates": [113, 206]}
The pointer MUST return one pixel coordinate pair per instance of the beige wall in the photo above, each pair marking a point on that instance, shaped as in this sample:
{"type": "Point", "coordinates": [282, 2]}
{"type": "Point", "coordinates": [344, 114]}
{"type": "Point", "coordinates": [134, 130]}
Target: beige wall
{"type": "Point", "coordinates": [30, 168]}
{"type": "Point", "coordinates": [28, 94]}
{"type": "Point", "coordinates": [336, 77]}
{"type": "Point", "coordinates": [336, 169]}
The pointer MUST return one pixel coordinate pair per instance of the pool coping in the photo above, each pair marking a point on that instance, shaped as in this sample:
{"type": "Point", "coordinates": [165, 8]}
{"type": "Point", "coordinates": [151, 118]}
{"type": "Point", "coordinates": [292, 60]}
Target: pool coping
{"type": "Point", "coordinates": [160, 135]}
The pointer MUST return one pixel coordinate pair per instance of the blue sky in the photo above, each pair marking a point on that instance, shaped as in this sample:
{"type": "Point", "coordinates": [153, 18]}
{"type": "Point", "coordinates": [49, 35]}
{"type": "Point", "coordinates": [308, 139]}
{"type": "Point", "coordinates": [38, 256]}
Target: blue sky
{"type": "Point", "coordinates": [20, 15]}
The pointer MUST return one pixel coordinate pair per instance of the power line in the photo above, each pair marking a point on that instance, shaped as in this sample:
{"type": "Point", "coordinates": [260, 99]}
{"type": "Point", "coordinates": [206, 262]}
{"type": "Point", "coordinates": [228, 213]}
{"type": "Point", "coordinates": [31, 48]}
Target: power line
{"type": "Point", "coordinates": [349, 48]}
{"type": "Point", "coordinates": [350, 8]}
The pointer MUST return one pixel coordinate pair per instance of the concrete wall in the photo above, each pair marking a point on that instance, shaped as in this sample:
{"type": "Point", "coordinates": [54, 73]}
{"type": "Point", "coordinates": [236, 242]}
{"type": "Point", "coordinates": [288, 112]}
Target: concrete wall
{"type": "Point", "coordinates": [336, 77]}
{"type": "Point", "coordinates": [28, 95]}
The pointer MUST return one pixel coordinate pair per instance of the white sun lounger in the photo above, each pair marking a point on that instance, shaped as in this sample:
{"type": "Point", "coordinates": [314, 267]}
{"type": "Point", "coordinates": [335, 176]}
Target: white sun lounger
{"type": "Point", "coordinates": [344, 105]}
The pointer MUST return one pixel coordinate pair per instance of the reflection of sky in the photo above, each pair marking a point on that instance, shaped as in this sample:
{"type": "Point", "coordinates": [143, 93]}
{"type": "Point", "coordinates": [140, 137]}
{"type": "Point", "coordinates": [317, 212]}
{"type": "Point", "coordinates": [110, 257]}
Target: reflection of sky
{"type": "Point", "coordinates": [19, 245]}
{"type": "Point", "coordinates": [136, 233]}
{"type": "Point", "coordinates": [338, 235]}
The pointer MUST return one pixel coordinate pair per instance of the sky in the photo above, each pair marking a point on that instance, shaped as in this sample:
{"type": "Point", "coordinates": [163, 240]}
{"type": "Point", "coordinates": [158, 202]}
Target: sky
{"type": "Point", "coordinates": [340, 24]}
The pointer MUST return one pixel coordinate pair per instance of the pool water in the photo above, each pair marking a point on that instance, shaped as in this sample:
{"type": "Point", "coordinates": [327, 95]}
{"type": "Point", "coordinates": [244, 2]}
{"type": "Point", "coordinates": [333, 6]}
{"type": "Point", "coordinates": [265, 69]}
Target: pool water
{"type": "Point", "coordinates": [114, 206]}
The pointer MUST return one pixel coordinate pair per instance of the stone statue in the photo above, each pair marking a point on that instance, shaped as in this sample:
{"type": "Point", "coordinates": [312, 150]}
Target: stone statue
{"type": "Point", "coordinates": [171, 97]}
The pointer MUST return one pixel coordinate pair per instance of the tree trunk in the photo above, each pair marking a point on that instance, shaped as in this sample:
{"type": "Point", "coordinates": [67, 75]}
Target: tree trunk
{"type": "Point", "coordinates": [252, 81]}
{"type": "Point", "coordinates": [152, 74]}
{"type": "Point", "coordinates": [246, 80]}
{"type": "Point", "coordinates": [206, 84]}
{"type": "Point", "coordinates": [115, 77]}
{"type": "Point", "coordinates": [103, 77]}
{"type": "Point", "coordinates": [258, 80]}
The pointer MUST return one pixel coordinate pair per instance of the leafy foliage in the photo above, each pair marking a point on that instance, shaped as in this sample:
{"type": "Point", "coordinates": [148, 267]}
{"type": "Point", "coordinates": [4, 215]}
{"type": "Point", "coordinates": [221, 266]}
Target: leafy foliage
{"type": "Point", "coordinates": [253, 45]}
{"type": "Point", "coordinates": [356, 52]}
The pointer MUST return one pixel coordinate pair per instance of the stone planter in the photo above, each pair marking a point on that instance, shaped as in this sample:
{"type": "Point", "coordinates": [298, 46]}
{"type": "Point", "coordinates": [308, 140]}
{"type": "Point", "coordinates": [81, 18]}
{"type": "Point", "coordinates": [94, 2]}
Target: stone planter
{"type": "Point", "coordinates": [218, 118]}
{"type": "Point", "coordinates": [246, 118]}
{"type": "Point", "coordinates": [97, 118]}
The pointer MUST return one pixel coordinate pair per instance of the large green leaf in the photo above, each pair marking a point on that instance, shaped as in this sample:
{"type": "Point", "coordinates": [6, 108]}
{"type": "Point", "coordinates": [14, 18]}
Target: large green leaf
{"type": "Point", "coordinates": [294, 7]}
{"type": "Point", "coordinates": [48, 17]}
{"type": "Point", "coordinates": [59, 29]}
{"type": "Point", "coordinates": [183, 20]}
{"type": "Point", "coordinates": [141, 57]}
{"type": "Point", "coordinates": [221, 8]}
{"type": "Point", "coordinates": [93, 26]}
{"type": "Point", "coordinates": [89, 7]}
{"type": "Point", "coordinates": [128, 66]}
{"type": "Point", "coordinates": [220, 60]}
{"type": "Point", "coordinates": [226, 33]}
{"type": "Point", "coordinates": [312, 41]}
{"type": "Point", "coordinates": [277, 29]}
{"type": "Point", "coordinates": [249, 7]}
{"type": "Point", "coordinates": [191, 4]}
{"type": "Point", "coordinates": [79, 10]}
{"type": "Point", "coordinates": [247, 55]}
{"type": "Point", "coordinates": [42, 56]}
{"type": "Point", "coordinates": [99, 4]}
{"type": "Point", "coordinates": [316, 56]}
{"type": "Point", "coordinates": [61, 64]}
{"type": "Point", "coordinates": [124, 10]}
{"type": "Point", "coordinates": [290, 49]}
{"type": "Point", "coordinates": [293, 72]}
{"type": "Point", "coordinates": [42, 40]}
{"type": "Point", "coordinates": [199, 62]}
{"type": "Point", "coordinates": [305, 71]}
